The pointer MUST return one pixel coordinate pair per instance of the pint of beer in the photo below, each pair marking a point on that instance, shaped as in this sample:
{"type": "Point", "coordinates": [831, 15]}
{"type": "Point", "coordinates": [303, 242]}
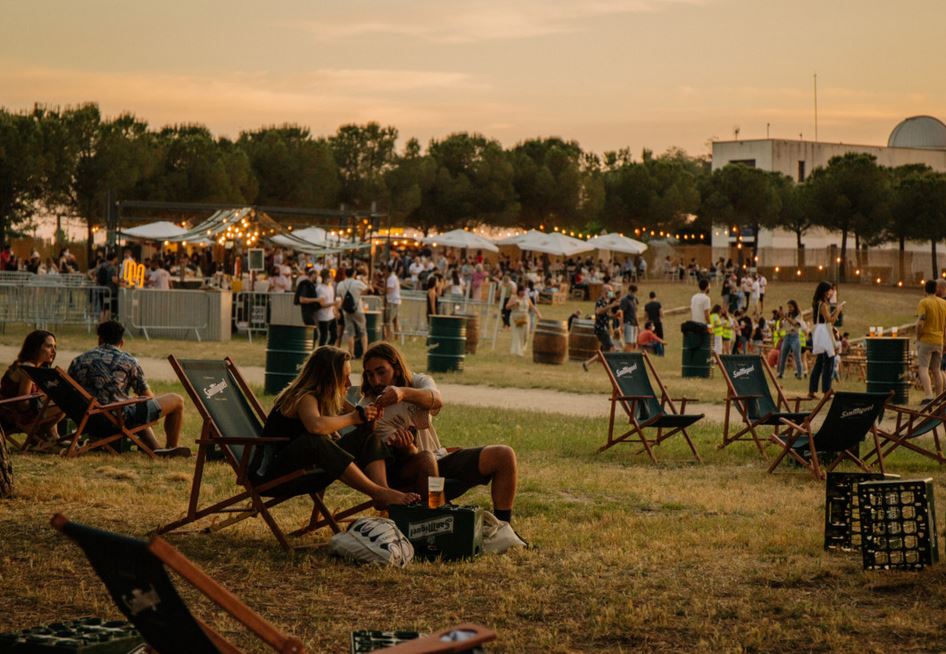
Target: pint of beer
{"type": "Point", "coordinates": [435, 492]}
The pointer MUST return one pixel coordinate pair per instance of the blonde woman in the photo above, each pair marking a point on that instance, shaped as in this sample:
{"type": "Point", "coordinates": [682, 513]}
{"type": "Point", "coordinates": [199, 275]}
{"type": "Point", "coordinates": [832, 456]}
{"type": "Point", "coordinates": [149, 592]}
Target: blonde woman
{"type": "Point", "coordinates": [310, 411]}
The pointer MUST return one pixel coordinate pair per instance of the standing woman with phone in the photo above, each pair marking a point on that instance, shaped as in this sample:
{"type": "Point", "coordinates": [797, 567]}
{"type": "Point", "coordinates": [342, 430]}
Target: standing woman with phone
{"type": "Point", "coordinates": [822, 339]}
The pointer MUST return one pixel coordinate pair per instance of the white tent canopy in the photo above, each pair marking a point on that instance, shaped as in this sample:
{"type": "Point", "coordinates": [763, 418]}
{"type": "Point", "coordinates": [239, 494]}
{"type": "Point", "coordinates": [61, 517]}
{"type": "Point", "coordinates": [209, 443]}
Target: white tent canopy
{"type": "Point", "coordinates": [615, 242]}
{"type": "Point", "coordinates": [514, 240]}
{"type": "Point", "coordinates": [460, 238]}
{"type": "Point", "coordinates": [555, 243]}
{"type": "Point", "coordinates": [314, 235]}
{"type": "Point", "coordinates": [158, 231]}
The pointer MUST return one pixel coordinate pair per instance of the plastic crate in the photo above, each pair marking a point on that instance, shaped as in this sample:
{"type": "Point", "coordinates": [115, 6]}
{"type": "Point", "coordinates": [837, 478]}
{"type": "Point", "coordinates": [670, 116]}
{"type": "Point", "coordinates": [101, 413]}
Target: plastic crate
{"type": "Point", "coordinates": [898, 524]}
{"type": "Point", "coordinates": [82, 636]}
{"type": "Point", "coordinates": [370, 641]}
{"type": "Point", "coordinates": [842, 521]}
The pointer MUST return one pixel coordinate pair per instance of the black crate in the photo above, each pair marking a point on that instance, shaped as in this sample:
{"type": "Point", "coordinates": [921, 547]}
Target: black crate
{"type": "Point", "coordinates": [82, 636]}
{"type": "Point", "coordinates": [450, 532]}
{"type": "Point", "coordinates": [842, 521]}
{"type": "Point", "coordinates": [369, 641]}
{"type": "Point", "coordinates": [898, 523]}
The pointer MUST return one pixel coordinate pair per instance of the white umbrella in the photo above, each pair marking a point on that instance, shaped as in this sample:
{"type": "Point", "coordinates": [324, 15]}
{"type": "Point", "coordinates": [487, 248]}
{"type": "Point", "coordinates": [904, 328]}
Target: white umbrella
{"type": "Point", "coordinates": [555, 243]}
{"type": "Point", "coordinates": [616, 243]}
{"type": "Point", "coordinates": [159, 231]}
{"type": "Point", "coordinates": [460, 238]}
{"type": "Point", "coordinates": [514, 240]}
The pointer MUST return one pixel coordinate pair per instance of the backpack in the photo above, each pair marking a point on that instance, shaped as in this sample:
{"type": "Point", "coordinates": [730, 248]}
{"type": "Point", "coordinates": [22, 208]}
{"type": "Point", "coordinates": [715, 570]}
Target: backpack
{"type": "Point", "coordinates": [348, 302]}
{"type": "Point", "coordinates": [102, 278]}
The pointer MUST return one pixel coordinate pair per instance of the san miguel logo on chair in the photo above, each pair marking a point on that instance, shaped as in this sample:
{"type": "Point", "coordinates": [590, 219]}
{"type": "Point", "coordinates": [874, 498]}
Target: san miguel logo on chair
{"type": "Point", "coordinates": [857, 411]}
{"type": "Point", "coordinates": [215, 389]}
{"type": "Point", "coordinates": [626, 370]}
{"type": "Point", "coordinates": [742, 372]}
{"type": "Point", "coordinates": [142, 600]}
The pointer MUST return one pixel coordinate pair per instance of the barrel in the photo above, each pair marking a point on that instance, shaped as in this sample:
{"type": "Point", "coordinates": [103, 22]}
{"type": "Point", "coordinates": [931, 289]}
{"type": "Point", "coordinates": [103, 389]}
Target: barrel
{"type": "Point", "coordinates": [696, 354]}
{"type": "Point", "coordinates": [582, 342]}
{"type": "Point", "coordinates": [550, 342]}
{"type": "Point", "coordinates": [446, 343]}
{"type": "Point", "coordinates": [287, 348]}
{"type": "Point", "coordinates": [472, 331]}
{"type": "Point", "coordinates": [888, 367]}
{"type": "Point", "coordinates": [373, 325]}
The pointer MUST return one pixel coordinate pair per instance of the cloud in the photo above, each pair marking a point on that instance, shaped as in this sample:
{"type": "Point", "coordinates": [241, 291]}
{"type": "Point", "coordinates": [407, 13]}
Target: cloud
{"type": "Point", "coordinates": [452, 23]}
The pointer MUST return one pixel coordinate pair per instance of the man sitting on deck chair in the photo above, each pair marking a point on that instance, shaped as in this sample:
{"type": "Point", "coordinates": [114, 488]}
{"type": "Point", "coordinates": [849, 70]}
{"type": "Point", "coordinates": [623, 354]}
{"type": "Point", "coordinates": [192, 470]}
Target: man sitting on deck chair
{"type": "Point", "coordinates": [409, 400]}
{"type": "Point", "coordinates": [108, 373]}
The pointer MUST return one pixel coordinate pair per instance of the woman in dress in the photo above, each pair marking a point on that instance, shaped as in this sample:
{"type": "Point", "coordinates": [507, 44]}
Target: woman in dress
{"type": "Point", "coordinates": [310, 411]}
{"type": "Point", "coordinates": [520, 307]}
{"type": "Point", "coordinates": [39, 350]}
{"type": "Point", "coordinates": [822, 346]}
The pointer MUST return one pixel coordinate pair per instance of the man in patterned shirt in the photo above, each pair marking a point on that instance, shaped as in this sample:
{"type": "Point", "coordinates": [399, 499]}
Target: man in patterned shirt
{"type": "Point", "coordinates": [108, 373]}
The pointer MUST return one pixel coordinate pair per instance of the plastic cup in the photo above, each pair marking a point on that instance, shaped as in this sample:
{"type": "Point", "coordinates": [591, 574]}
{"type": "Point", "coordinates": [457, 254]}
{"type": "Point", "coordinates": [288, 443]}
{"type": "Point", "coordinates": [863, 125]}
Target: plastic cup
{"type": "Point", "coordinates": [436, 497]}
{"type": "Point", "coordinates": [893, 332]}
{"type": "Point", "coordinates": [870, 331]}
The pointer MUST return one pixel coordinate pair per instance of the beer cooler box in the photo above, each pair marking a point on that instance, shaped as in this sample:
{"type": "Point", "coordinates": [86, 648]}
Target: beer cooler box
{"type": "Point", "coordinates": [82, 636]}
{"type": "Point", "coordinates": [449, 533]}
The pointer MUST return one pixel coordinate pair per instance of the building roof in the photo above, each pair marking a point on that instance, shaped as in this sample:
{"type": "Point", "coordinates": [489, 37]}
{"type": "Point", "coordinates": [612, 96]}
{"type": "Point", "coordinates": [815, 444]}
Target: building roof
{"type": "Point", "coordinates": [919, 132]}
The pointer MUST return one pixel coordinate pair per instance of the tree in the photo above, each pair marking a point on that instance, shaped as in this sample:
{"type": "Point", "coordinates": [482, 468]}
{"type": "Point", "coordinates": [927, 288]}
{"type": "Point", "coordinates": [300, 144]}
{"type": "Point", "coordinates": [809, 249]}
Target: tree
{"type": "Point", "coordinates": [291, 168]}
{"type": "Point", "coordinates": [901, 225]}
{"type": "Point", "coordinates": [548, 181]}
{"type": "Point", "coordinates": [920, 203]}
{"type": "Point", "coordinates": [849, 194]}
{"type": "Point", "coordinates": [739, 195]}
{"type": "Point", "coordinates": [363, 155]}
{"type": "Point", "coordinates": [793, 213]}
{"type": "Point", "coordinates": [21, 169]}
{"type": "Point", "coordinates": [406, 182]}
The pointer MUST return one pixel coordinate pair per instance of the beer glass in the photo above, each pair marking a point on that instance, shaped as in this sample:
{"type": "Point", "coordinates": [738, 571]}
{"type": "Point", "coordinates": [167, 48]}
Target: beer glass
{"type": "Point", "coordinates": [435, 492]}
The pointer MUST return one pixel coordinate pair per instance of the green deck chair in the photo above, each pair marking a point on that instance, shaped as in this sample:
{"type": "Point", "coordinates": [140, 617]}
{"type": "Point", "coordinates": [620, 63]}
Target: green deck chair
{"type": "Point", "coordinates": [631, 389]}
{"type": "Point", "coordinates": [911, 424]}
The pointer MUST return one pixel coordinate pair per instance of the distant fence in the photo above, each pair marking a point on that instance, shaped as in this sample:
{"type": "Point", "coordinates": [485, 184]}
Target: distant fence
{"type": "Point", "coordinates": [175, 313]}
{"type": "Point", "coordinates": [43, 306]}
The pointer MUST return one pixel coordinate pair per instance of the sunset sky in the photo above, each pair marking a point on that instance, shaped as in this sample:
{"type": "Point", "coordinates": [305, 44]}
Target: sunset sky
{"type": "Point", "coordinates": [607, 73]}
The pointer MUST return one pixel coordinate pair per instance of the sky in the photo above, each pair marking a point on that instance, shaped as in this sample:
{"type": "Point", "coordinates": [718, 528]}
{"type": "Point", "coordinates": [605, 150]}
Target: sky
{"type": "Point", "coordinates": [609, 74]}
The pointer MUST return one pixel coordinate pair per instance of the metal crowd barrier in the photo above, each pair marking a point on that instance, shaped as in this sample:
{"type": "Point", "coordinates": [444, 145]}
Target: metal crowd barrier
{"type": "Point", "coordinates": [43, 306]}
{"type": "Point", "coordinates": [176, 310]}
{"type": "Point", "coordinates": [251, 312]}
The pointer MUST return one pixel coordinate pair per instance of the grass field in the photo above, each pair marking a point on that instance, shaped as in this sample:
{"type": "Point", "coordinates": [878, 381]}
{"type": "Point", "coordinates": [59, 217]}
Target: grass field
{"type": "Point", "coordinates": [629, 557]}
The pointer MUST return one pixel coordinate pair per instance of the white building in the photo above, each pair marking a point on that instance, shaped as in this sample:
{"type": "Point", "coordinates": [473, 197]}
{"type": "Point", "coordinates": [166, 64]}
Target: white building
{"type": "Point", "coordinates": [920, 139]}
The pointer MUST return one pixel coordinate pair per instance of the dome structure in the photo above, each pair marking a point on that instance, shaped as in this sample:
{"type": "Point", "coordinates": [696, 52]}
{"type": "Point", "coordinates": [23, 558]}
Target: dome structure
{"type": "Point", "coordinates": [919, 132]}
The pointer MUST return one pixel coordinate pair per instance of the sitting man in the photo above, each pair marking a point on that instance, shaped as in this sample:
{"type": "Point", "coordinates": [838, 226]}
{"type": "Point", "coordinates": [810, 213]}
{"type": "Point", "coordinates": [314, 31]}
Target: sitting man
{"type": "Point", "coordinates": [108, 373]}
{"type": "Point", "coordinates": [648, 340]}
{"type": "Point", "coordinates": [409, 400]}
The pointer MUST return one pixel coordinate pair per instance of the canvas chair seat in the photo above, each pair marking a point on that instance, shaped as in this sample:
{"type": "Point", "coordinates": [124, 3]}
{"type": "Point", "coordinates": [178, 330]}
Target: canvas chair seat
{"type": "Point", "coordinates": [135, 573]}
{"type": "Point", "coordinates": [850, 418]}
{"type": "Point", "coordinates": [103, 425]}
{"type": "Point", "coordinates": [748, 378]}
{"type": "Point", "coordinates": [630, 376]}
{"type": "Point", "coordinates": [233, 422]}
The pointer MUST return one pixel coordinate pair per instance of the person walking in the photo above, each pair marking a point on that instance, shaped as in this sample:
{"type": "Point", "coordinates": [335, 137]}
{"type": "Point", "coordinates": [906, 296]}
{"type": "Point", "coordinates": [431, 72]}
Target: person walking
{"type": "Point", "coordinates": [789, 326]}
{"type": "Point", "coordinates": [822, 339]}
{"type": "Point", "coordinates": [930, 330]}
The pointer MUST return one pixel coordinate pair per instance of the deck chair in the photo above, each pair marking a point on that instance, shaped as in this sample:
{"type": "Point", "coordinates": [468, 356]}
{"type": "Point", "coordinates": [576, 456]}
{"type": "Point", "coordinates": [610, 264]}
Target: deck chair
{"type": "Point", "coordinates": [8, 430]}
{"type": "Point", "coordinates": [910, 425]}
{"type": "Point", "coordinates": [102, 425]}
{"type": "Point", "coordinates": [850, 417]}
{"type": "Point", "coordinates": [135, 573]}
{"type": "Point", "coordinates": [747, 389]}
{"type": "Point", "coordinates": [632, 391]}
{"type": "Point", "coordinates": [233, 422]}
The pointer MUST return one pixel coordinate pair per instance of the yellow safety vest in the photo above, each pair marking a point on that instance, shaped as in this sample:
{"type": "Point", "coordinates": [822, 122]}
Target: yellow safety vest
{"type": "Point", "coordinates": [727, 329]}
{"type": "Point", "coordinates": [802, 337]}
{"type": "Point", "coordinates": [716, 326]}
{"type": "Point", "coordinates": [777, 333]}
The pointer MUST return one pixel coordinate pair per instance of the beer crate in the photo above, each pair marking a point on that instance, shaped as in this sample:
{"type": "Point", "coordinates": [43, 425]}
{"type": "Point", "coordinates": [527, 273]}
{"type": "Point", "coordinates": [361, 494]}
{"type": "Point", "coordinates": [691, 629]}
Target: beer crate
{"type": "Point", "coordinates": [449, 532]}
{"type": "Point", "coordinates": [898, 524]}
{"type": "Point", "coordinates": [363, 642]}
{"type": "Point", "coordinates": [82, 636]}
{"type": "Point", "coordinates": [842, 520]}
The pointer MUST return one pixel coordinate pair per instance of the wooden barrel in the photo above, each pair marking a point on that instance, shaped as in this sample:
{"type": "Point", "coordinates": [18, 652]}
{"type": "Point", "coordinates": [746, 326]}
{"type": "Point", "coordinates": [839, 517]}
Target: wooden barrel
{"type": "Point", "coordinates": [582, 342]}
{"type": "Point", "coordinates": [446, 344]}
{"type": "Point", "coordinates": [550, 342]}
{"type": "Point", "coordinates": [888, 368]}
{"type": "Point", "coordinates": [287, 348]}
{"type": "Point", "coordinates": [472, 332]}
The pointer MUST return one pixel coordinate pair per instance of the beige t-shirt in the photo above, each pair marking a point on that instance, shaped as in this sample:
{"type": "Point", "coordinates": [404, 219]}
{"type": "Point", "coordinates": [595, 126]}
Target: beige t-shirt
{"type": "Point", "coordinates": [404, 414]}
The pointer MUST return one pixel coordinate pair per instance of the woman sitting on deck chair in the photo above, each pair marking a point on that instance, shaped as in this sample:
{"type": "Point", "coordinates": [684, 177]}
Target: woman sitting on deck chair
{"type": "Point", "coordinates": [39, 349]}
{"type": "Point", "coordinates": [309, 411]}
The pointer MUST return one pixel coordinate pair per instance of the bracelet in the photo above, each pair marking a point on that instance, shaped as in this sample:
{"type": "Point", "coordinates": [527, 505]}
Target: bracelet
{"type": "Point", "coordinates": [362, 413]}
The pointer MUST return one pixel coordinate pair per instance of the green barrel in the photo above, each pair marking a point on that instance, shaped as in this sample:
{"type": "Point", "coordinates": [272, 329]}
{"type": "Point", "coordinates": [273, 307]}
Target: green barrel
{"type": "Point", "coordinates": [287, 348]}
{"type": "Point", "coordinates": [373, 324]}
{"type": "Point", "coordinates": [696, 354]}
{"type": "Point", "coordinates": [888, 367]}
{"type": "Point", "coordinates": [446, 343]}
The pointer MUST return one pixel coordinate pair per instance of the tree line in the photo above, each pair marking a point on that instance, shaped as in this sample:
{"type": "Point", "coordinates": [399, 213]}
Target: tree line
{"type": "Point", "coordinates": [67, 162]}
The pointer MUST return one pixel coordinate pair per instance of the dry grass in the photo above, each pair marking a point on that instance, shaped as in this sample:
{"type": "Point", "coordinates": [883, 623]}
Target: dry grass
{"type": "Point", "coordinates": [629, 556]}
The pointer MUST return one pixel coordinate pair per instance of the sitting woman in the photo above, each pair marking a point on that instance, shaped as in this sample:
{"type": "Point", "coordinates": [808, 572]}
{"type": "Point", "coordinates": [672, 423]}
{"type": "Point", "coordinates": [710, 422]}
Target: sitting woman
{"type": "Point", "coordinates": [310, 411]}
{"type": "Point", "coordinates": [27, 416]}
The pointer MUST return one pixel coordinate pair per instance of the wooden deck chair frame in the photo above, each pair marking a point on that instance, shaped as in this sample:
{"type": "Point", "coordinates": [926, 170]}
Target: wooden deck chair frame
{"type": "Point", "coordinates": [112, 413]}
{"type": "Point", "coordinates": [911, 424]}
{"type": "Point", "coordinates": [628, 403]}
{"type": "Point", "coordinates": [453, 639]}
{"type": "Point", "coordinates": [253, 495]}
{"type": "Point", "coordinates": [787, 439]}
{"type": "Point", "coordinates": [741, 403]}
{"type": "Point", "coordinates": [30, 434]}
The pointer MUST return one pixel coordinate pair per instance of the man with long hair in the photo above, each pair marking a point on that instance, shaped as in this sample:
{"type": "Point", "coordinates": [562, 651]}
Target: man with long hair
{"type": "Point", "coordinates": [410, 400]}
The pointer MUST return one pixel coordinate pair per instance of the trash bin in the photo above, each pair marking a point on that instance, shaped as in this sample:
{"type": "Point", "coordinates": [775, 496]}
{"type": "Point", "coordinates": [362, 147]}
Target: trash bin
{"type": "Point", "coordinates": [446, 344]}
{"type": "Point", "coordinates": [287, 348]}
{"type": "Point", "coordinates": [373, 325]}
{"type": "Point", "coordinates": [888, 367]}
{"type": "Point", "coordinates": [696, 349]}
